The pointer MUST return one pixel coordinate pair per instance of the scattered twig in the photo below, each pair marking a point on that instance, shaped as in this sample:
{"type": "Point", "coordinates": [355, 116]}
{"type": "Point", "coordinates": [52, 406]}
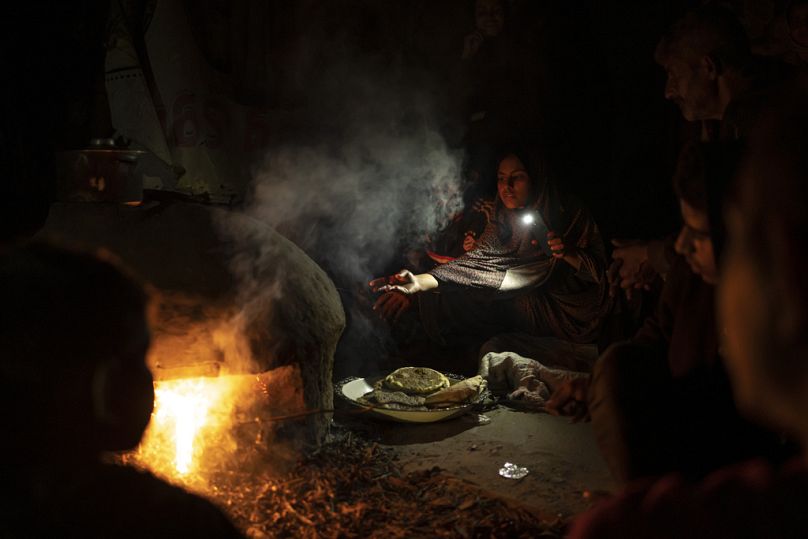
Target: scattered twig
{"type": "Point", "coordinates": [351, 488]}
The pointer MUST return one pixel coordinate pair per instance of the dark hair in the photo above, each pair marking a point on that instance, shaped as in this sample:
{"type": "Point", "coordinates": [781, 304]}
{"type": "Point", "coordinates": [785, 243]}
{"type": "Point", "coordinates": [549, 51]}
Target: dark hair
{"type": "Point", "coordinates": [706, 170]}
{"type": "Point", "coordinates": [689, 178]}
{"type": "Point", "coordinates": [57, 301]}
{"type": "Point", "coordinates": [63, 314]}
{"type": "Point", "coordinates": [709, 31]}
{"type": "Point", "coordinates": [705, 173]}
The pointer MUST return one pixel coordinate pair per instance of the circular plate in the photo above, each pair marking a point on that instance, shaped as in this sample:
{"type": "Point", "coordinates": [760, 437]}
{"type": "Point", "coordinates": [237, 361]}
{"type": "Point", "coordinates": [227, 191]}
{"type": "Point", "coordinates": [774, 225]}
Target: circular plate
{"type": "Point", "coordinates": [354, 388]}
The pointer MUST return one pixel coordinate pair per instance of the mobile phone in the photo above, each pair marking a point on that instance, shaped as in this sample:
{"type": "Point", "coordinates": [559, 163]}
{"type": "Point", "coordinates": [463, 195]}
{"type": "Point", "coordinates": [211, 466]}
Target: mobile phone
{"type": "Point", "coordinates": [538, 229]}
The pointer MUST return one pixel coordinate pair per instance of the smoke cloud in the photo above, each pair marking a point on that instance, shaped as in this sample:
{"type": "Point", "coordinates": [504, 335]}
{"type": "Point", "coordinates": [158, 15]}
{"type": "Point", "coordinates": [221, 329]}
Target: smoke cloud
{"type": "Point", "coordinates": [380, 180]}
{"type": "Point", "coordinates": [360, 176]}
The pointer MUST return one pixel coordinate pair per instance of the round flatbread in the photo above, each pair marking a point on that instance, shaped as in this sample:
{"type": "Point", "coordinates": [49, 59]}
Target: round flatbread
{"type": "Point", "coordinates": [416, 380]}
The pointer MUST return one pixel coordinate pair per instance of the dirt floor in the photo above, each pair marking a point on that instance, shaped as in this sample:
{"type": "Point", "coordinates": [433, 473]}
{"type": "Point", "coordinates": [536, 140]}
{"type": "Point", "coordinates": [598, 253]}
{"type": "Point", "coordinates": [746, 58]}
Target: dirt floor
{"type": "Point", "coordinates": [566, 471]}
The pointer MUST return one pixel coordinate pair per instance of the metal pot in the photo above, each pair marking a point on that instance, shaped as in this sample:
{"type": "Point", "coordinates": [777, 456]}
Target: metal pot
{"type": "Point", "coordinates": [101, 172]}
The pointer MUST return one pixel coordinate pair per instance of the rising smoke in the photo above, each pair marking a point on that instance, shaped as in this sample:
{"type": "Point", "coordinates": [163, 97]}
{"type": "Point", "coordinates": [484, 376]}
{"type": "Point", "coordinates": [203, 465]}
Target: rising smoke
{"type": "Point", "coordinates": [361, 178]}
{"type": "Point", "coordinates": [381, 182]}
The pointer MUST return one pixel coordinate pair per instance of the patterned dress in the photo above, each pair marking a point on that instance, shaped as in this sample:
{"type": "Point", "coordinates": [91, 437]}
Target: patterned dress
{"type": "Point", "coordinates": [507, 284]}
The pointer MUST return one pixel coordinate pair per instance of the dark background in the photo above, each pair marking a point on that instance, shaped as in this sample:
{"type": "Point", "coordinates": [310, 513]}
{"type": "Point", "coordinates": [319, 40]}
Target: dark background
{"type": "Point", "coordinates": [615, 137]}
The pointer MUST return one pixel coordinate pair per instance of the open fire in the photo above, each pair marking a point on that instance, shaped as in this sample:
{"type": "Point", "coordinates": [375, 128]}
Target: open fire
{"type": "Point", "coordinates": [198, 426]}
{"type": "Point", "coordinates": [183, 411]}
{"type": "Point", "coordinates": [206, 433]}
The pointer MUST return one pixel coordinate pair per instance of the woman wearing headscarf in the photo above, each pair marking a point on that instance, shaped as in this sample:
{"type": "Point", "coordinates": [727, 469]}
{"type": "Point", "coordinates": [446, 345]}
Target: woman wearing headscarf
{"type": "Point", "coordinates": [538, 267]}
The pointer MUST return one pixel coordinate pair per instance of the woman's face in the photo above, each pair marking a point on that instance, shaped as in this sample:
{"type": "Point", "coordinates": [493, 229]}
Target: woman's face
{"type": "Point", "coordinates": [490, 18]}
{"type": "Point", "coordinates": [695, 243]}
{"type": "Point", "coordinates": [513, 183]}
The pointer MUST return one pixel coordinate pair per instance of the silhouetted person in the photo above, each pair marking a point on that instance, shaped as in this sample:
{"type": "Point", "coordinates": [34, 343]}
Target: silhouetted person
{"type": "Point", "coordinates": [74, 384]}
{"type": "Point", "coordinates": [497, 86]}
{"type": "Point", "coordinates": [763, 308]}
{"type": "Point", "coordinates": [661, 402]}
{"type": "Point", "coordinates": [714, 79]}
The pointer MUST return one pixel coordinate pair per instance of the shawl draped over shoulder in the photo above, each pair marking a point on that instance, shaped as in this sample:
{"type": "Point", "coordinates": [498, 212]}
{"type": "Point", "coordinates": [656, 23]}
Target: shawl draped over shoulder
{"type": "Point", "coordinates": [508, 284]}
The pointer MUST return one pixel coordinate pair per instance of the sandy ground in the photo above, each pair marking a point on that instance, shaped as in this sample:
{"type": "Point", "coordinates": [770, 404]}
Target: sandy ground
{"type": "Point", "coordinates": [566, 470]}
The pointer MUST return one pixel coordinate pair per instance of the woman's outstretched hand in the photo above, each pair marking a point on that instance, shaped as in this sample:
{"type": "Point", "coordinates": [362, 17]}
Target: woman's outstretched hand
{"type": "Point", "coordinates": [405, 282]}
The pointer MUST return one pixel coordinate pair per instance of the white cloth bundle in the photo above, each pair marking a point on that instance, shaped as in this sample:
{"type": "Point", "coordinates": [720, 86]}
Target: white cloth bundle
{"type": "Point", "coordinates": [523, 379]}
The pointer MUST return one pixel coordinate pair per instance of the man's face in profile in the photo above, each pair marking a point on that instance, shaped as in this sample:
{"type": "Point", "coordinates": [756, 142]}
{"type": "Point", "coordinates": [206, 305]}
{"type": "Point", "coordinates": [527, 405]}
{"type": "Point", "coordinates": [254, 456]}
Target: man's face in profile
{"type": "Point", "coordinates": [689, 85]}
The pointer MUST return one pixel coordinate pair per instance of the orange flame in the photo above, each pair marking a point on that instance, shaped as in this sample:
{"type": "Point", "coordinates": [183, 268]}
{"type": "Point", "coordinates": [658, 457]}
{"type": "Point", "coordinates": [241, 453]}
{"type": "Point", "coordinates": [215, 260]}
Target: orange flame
{"type": "Point", "coordinates": [182, 408]}
{"type": "Point", "coordinates": [191, 428]}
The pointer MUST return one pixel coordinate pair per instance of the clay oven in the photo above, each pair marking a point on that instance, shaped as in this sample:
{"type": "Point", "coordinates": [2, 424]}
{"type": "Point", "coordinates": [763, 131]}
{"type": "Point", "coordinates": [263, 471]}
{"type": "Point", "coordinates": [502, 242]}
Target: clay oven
{"type": "Point", "coordinates": [245, 326]}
